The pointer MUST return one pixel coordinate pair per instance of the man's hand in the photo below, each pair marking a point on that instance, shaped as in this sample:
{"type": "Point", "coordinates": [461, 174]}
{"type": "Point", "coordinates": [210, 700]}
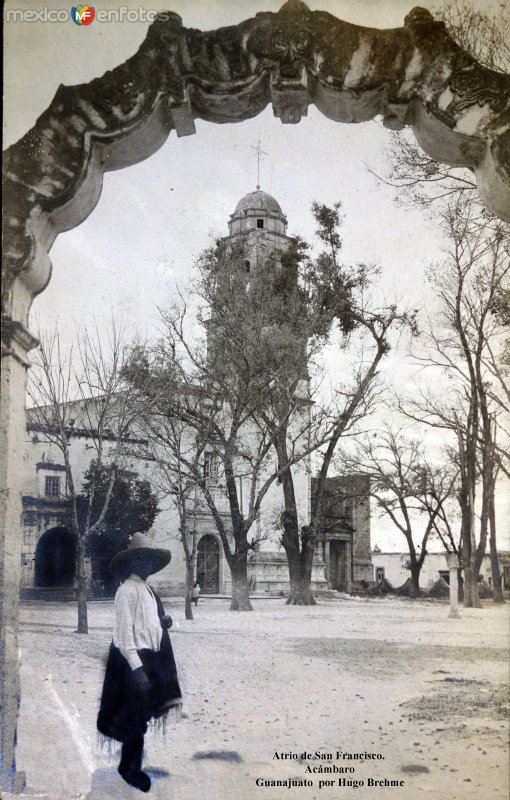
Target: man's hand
{"type": "Point", "coordinates": [167, 621]}
{"type": "Point", "coordinates": [141, 680]}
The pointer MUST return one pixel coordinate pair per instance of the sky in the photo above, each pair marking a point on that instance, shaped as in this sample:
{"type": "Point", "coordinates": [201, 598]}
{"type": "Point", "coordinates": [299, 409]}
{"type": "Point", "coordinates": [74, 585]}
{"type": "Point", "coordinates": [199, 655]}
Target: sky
{"type": "Point", "coordinates": [153, 219]}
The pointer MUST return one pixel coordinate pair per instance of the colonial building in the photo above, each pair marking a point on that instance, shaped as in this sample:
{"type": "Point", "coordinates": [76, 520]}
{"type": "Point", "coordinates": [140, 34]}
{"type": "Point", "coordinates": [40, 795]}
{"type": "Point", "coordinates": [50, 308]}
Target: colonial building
{"type": "Point", "coordinates": [342, 560]}
{"type": "Point", "coordinates": [394, 568]}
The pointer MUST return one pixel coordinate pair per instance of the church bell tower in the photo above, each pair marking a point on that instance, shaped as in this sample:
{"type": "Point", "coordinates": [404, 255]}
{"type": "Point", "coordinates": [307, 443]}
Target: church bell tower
{"type": "Point", "coordinates": [260, 226]}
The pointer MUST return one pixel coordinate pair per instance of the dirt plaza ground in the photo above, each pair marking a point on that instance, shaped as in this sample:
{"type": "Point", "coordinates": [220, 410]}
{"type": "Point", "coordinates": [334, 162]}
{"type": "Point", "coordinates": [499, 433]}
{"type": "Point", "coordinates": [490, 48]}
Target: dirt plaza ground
{"type": "Point", "coordinates": [284, 694]}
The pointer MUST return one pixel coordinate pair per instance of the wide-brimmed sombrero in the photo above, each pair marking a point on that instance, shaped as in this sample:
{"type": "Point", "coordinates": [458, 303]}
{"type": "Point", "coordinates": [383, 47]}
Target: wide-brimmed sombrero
{"type": "Point", "coordinates": [139, 552]}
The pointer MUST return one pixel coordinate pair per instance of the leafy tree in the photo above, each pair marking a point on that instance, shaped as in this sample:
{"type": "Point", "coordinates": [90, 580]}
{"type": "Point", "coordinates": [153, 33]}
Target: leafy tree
{"type": "Point", "coordinates": [254, 348]}
{"type": "Point", "coordinates": [337, 296]}
{"type": "Point", "coordinates": [132, 506]}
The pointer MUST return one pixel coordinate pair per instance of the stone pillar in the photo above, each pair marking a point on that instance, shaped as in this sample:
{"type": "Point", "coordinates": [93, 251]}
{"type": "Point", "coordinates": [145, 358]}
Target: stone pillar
{"type": "Point", "coordinates": [453, 565]}
{"type": "Point", "coordinates": [348, 567]}
{"type": "Point", "coordinates": [327, 559]}
{"type": "Point", "coordinates": [16, 342]}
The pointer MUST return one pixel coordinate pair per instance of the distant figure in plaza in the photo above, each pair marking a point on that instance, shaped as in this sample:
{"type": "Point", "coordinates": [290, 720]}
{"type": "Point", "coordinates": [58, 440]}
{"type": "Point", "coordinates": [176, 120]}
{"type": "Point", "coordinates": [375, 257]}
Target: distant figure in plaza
{"type": "Point", "coordinates": [195, 593]}
{"type": "Point", "coordinates": [141, 681]}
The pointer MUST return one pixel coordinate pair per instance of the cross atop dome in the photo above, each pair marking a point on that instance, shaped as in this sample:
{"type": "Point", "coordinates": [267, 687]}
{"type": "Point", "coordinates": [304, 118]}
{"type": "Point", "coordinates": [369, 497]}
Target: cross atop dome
{"type": "Point", "coordinates": [259, 153]}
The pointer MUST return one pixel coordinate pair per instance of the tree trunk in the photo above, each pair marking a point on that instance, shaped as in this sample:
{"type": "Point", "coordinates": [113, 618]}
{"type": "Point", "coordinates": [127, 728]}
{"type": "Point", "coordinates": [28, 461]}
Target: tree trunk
{"type": "Point", "coordinates": [414, 590]}
{"type": "Point", "coordinates": [496, 573]}
{"type": "Point", "coordinates": [82, 585]}
{"type": "Point", "coordinates": [300, 578]}
{"type": "Point", "coordinates": [484, 528]}
{"type": "Point", "coordinates": [240, 592]}
{"type": "Point", "coordinates": [300, 571]}
{"type": "Point", "coordinates": [301, 594]}
{"type": "Point", "coordinates": [190, 579]}
{"type": "Point", "coordinates": [471, 599]}
{"type": "Point", "coordinates": [300, 583]}
{"type": "Point", "coordinates": [460, 578]}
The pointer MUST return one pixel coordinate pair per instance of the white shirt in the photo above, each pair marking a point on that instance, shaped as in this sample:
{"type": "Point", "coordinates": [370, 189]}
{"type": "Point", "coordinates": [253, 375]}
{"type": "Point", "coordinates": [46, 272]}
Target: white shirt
{"type": "Point", "coordinates": [137, 623]}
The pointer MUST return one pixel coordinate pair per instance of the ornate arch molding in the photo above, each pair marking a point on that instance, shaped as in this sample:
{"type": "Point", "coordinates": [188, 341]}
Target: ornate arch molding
{"type": "Point", "coordinates": [415, 75]}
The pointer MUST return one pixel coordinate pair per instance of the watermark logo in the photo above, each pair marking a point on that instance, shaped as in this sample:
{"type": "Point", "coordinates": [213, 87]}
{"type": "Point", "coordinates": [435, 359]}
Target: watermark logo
{"type": "Point", "coordinates": [82, 15]}
{"type": "Point", "coordinates": [85, 14]}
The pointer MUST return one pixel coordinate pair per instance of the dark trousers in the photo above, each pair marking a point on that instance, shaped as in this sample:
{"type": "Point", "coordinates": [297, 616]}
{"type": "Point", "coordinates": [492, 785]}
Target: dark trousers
{"type": "Point", "coordinates": [132, 753]}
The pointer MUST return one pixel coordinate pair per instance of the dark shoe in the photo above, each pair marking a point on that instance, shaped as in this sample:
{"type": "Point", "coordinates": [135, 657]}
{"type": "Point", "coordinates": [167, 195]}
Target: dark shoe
{"type": "Point", "coordinates": [137, 778]}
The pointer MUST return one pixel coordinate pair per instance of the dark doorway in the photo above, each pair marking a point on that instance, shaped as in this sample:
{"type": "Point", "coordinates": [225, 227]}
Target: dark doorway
{"type": "Point", "coordinates": [208, 564]}
{"type": "Point", "coordinates": [55, 558]}
{"type": "Point", "coordinates": [339, 568]}
{"type": "Point", "coordinates": [379, 575]}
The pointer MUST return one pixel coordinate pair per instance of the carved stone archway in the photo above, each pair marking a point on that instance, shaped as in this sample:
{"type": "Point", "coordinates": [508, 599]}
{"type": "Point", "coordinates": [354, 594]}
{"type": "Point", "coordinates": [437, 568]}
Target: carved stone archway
{"type": "Point", "coordinates": [412, 76]}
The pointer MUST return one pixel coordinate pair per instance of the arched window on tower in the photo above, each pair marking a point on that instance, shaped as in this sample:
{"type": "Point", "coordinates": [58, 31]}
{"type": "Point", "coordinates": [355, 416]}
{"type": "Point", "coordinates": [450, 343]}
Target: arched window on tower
{"type": "Point", "coordinates": [260, 223]}
{"type": "Point", "coordinates": [247, 265]}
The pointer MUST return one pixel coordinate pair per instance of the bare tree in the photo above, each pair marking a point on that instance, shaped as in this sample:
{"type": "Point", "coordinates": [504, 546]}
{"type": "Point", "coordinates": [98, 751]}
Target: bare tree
{"type": "Point", "coordinates": [464, 342]}
{"type": "Point", "coordinates": [82, 392]}
{"type": "Point", "coordinates": [176, 460]}
{"type": "Point", "coordinates": [484, 33]}
{"type": "Point", "coordinates": [445, 526]}
{"type": "Point", "coordinates": [450, 192]}
{"type": "Point", "coordinates": [407, 488]}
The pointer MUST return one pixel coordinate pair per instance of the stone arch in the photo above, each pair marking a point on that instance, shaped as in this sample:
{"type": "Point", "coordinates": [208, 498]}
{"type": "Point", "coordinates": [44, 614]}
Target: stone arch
{"type": "Point", "coordinates": [55, 559]}
{"type": "Point", "coordinates": [413, 76]}
{"type": "Point", "coordinates": [208, 564]}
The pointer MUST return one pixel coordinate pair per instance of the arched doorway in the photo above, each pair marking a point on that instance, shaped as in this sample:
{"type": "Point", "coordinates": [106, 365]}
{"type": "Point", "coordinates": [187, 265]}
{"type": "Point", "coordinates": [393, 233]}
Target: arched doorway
{"type": "Point", "coordinates": [55, 558]}
{"type": "Point", "coordinates": [208, 564]}
{"type": "Point", "coordinates": [340, 565]}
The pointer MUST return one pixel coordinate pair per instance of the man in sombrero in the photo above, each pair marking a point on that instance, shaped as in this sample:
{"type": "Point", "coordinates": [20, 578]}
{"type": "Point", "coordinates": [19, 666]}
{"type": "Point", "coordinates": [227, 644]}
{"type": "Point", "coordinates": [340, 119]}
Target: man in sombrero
{"type": "Point", "coordinates": [140, 682]}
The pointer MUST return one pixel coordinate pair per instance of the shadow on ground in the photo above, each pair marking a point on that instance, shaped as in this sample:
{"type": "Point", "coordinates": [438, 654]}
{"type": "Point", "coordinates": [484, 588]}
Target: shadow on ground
{"type": "Point", "coordinates": [106, 784]}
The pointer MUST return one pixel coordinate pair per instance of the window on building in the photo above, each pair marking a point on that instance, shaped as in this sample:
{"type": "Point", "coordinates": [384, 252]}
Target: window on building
{"type": "Point", "coordinates": [445, 575]}
{"type": "Point", "coordinates": [260, 223]}
{"type": "Point", "coordinates": [52, 486]}
{"type": "Point", "coordinates": [211, 465]}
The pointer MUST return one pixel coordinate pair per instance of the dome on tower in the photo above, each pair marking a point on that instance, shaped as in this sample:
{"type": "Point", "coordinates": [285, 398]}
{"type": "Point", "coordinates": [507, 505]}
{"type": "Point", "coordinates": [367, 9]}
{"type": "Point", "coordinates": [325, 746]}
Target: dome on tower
{"type": "Point", "coordinates": [258, 200]}
{"type": "Point", "coordinates": [258, 210]}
